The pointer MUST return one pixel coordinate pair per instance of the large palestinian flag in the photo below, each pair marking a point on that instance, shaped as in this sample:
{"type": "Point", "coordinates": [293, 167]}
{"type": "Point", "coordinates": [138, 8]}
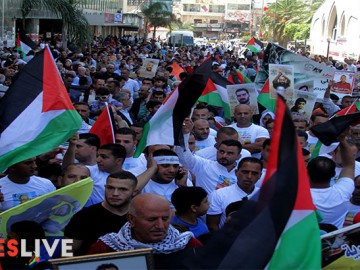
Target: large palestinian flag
{"type": "Point", "coordinates": [278, 229]}
{"type": "Point", "coordinates": [165, 127]}
{"type": "Point", "coordinates": [36, 113]}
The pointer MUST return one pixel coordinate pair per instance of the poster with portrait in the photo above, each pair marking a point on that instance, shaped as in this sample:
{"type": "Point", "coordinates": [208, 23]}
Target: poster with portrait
{"type": "Point", "coordinates": [305, 69]}
{"type": "Point", "coordinates": [344, 83]}
{"type": "Point", "coordinates": [281, 79]}
{"type": "Point", "coordinates": [243, 94]}
{"type": "Point", "coordinates": [303, 104]}
{"type": "Point", "coordinates": [307, 86]}
{"type": "Point", "coordinates": [149, 67]}
{"type": "Point", "coordinates": [356, 88]}
{"type": "Point", "coordinates": [341, 248]}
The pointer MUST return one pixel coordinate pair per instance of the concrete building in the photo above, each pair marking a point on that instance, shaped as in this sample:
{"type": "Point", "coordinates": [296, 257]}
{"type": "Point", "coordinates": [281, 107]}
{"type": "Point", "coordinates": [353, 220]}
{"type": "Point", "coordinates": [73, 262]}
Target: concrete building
{"type": "Point", "coordinates": [104, 16]}
{"type": "Point", "coordinates": [335, 29]}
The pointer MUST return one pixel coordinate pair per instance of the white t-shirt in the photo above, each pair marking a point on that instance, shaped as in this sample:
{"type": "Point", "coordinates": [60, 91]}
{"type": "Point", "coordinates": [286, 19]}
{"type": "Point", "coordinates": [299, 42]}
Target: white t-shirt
{"type": "Point", "coordinates": [209, 141]}
{"type": "Point", "coordinates": [165, 190]}
{"type": "Point", "coordinates": [99, 179]}
{"type": "Point", "coordinates": [210, 175]}
{"type": "Point", "coordinates": [249, 134]}
{"type": "Point", "coordinates": [221, 198]}
{"type": "Point", "coordinates": [15, 194]}
{"type": "Point", "coordinates": [332, 201]}
{"type": "Point", "coordinates": [210, 153]}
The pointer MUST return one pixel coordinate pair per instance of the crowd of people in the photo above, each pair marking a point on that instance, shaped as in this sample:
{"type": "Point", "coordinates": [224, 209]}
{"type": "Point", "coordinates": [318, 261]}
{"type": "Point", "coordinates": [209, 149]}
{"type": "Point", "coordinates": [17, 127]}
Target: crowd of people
{"type": "Point", "coordinates": [171, 198]}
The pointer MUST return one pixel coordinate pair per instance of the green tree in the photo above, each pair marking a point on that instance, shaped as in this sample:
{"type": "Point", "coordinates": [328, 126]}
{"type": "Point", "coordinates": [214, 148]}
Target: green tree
{"type": "Point", "coordinates": [158, 15]}
{"type": "Point", "coordinates": [286, 20]}
{"type": "Point", "coordinates": [75, 27]}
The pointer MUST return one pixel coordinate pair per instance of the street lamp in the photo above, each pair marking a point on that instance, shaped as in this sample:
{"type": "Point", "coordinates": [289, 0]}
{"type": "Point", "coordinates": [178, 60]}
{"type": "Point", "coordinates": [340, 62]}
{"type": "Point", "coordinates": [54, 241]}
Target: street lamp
{"type": "Point", "coordinates": [328, 48]}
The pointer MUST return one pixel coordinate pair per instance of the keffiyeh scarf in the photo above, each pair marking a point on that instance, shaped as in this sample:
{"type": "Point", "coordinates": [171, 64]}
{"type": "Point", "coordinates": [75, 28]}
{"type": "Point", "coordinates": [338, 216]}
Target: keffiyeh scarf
{"type": "Point", "coordinates": [174, 241]}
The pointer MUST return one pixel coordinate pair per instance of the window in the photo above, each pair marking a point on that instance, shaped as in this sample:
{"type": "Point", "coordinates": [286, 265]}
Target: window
{"type": "Point", "coordinates": [216, 8]}
{"type": "Point", "coordinates": [238, 7]}
{"type": "Point", "coordinates": [191, 7]}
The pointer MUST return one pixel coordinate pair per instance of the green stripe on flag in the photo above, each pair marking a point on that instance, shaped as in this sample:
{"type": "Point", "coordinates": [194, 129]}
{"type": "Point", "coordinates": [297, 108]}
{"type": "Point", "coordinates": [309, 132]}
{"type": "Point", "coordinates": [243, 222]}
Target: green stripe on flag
{"type": "Point", "coordinates": [265, 100]}
{"type": "Point", "coordinates": [57, 131]}
{"type": "Point", "coordinates": [142, 143]}
{"type": "Point", "coordinates": [214, 99]}
{"type": "Point", "coordinates": [299, 246]}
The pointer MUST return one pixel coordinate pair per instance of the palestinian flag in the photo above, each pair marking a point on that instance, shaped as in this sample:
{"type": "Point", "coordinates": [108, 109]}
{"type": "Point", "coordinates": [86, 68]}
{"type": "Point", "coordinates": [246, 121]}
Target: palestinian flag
{"type": "Point", "coordinates": [176, 70]}
{"type": "Point", "coordinates": [328, 133]}
{"type": "Point", "coordinates": [36, 114]}
{"type": "Point", "coordinates": [279, 228]}
{"type": "Point", "coordinates": [236, 77]}
{"type": "Point", "coordinates": [104, 126]}
{"type": "Point", "coordinates": [215, 93]}
{"type": "Point", "coordinates": [255, 45]}
{"type": "Point", "coordinates": [24, 44]}
{"type": "Point", "coordinates": [265, 99]}
{"type": "Point", "coordinates": [165, 127]}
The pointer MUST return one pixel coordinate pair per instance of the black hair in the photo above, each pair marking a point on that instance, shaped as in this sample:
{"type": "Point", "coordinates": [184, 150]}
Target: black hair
{"type": "Point", "coordinates": [321, 169]}
{"type": "Point", "coordinates": [107, 266]}
{"type": "Point", "coordinates": [126, 131]}
{"type": "Point", "coordinates": [227, 131]}
{"type": "Point", "coordinates": [265, 143]}
{"type": "Point", "coordinates": [103, 91]}
{"type": "Point", "coordinates": [232, 143]}
{"type": "Point", "coordinates": [152, 103]}
{"type": "Point", "coordinates": [251, 160]}
{"type": "Point", "coordinates": [117, 150]}
{"type": "Point", "coordinates": [301, 133]}
{"type": "Point", "coordinates": [90, 139]}
{"type": "Point", "coordinates": [164, 152]}
{"type": "Point", "coordinates": [125, 175]}
{"type": "Point", "coordinates": [184, 197]}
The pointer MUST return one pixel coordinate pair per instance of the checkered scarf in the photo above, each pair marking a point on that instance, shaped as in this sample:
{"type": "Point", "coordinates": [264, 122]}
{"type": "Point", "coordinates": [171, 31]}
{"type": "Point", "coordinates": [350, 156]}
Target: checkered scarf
{"type": "Point", "coordinates": [174, 241]}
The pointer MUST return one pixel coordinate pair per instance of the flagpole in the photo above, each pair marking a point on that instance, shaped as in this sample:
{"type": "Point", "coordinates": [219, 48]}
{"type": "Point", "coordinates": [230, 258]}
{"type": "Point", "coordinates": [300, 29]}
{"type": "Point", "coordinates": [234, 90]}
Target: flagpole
{"type": "Point", "coordinates": [3, 21]}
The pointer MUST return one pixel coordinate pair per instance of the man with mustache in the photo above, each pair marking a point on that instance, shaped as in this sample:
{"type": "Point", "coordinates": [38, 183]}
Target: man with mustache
{"type": "Point", "coordinates": [247, 173]}
{"type": "Point", "coordinates": [149, 226]}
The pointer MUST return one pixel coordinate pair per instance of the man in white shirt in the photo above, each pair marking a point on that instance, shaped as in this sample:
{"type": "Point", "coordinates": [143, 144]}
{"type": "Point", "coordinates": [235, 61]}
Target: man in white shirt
{"type": "Point", "coordinates": [248, 173]}
{"type": "Point", "coordinates": [21, 184]}
{"type": "Point", "coordinates": [252, 136]}
{"type": "Point", "coordinates": [332, 201]}
{"type": "Point", "coordinates": [202, 135]}
{"type": "Point", "coordinates": [210, 174]}
{"type": "Point", "coordinates": [224, 133]}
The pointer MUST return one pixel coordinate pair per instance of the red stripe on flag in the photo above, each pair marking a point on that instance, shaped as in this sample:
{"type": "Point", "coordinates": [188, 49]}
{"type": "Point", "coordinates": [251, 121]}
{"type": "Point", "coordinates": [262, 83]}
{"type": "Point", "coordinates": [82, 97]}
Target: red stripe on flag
{"type": "Point", "coordinates": [55, 96]}
{"type": "Point", "coordinates": [210, 87]}
{"type": "Point", "coordinates": [104, 128]}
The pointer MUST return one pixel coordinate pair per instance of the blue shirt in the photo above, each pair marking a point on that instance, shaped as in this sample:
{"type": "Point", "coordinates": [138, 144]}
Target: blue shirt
{"type": "Point", "coordinates": [199, 229]}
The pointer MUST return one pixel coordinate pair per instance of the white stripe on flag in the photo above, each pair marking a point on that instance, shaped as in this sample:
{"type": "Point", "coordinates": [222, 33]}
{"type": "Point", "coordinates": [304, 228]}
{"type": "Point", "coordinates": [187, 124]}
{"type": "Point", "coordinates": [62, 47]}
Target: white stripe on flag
{"type": "Point", "coordinates": [24, 47]}
{"type": "Point", "coordinates": [27, 126]}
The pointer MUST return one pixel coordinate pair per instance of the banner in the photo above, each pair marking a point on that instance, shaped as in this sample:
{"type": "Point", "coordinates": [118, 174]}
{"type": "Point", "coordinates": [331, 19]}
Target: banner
{"type": "Point", "coordinates": [52, 211]}
{"type": "Point", "coordinates": [305, 69]}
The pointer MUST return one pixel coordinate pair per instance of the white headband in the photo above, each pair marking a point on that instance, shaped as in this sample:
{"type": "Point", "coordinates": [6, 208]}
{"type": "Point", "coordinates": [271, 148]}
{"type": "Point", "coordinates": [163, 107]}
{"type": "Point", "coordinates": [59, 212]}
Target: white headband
{"type": "Point", "coordinates": [167, 160]}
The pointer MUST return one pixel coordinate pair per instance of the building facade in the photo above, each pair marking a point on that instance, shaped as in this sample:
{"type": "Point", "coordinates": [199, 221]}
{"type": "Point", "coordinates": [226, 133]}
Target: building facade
{"type": "Point", "coordinates": [335, 29]}
{"type": "Point", "coordinates": [105, 17]}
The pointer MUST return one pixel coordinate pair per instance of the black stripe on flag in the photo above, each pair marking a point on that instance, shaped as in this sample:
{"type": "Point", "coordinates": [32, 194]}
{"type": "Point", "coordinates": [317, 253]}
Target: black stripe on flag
{"type": "Point", "coordinates": [249, 240]}
{"type": "Point", "coordinates": [27, 85]}
{"type": "Point", "coordinates": [189, 92]}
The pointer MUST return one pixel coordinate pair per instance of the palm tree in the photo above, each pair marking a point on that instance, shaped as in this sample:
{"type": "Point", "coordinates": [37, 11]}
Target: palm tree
{"type": "Point", "coordinates": [284, 18]}
{"type": "Point", "coordinates": [75, 26]}
{"type": "Point", "coordinates": [157, 14]}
